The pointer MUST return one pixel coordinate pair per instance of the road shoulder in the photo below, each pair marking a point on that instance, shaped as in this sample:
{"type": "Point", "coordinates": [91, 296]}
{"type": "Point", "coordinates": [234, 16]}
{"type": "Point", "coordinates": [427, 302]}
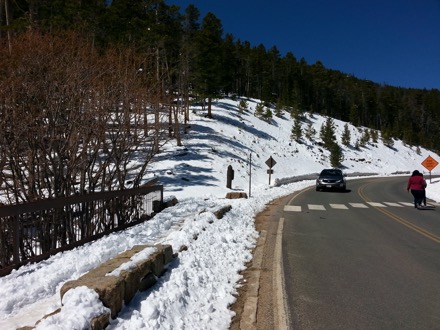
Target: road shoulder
{"type": "Point", "coordinates": [256, 304]}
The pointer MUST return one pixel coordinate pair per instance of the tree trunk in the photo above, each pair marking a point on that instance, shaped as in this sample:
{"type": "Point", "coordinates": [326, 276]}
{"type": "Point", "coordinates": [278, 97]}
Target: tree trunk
{"type": "Point", "coordinates": [177, 126]}
{"type": "Point", "coordinates": [209, 107]}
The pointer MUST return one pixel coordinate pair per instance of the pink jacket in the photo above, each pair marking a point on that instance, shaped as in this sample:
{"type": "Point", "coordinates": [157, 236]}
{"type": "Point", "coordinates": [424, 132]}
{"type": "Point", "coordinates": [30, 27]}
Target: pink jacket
{"type": "Point", "coordinates": [416, 182]}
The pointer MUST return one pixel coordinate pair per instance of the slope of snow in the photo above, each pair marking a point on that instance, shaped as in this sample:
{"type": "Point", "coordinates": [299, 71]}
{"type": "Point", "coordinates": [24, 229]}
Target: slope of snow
{"type": "Point", "coordinates": [233, 138]}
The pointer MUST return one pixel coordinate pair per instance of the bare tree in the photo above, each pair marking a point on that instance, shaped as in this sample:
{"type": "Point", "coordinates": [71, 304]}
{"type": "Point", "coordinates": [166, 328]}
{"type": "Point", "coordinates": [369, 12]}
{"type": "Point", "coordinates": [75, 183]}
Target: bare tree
{"type": "Point", "coordinates": [74, 120]}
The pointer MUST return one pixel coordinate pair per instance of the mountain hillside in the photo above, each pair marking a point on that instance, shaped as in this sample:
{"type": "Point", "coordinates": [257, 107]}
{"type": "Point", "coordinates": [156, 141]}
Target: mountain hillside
{"type": "Point", "coordinates": [240, 139]}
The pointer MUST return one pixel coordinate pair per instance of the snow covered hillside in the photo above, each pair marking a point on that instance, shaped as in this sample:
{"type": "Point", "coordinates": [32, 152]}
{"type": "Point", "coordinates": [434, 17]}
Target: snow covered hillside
{"type": "Point", "coordinates": [234, 137]}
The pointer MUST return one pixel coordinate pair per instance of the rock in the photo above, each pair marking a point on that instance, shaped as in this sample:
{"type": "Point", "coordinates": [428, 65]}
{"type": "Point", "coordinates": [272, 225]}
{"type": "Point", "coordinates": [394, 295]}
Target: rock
{"type": "Point", "coordinates": [235, 195]}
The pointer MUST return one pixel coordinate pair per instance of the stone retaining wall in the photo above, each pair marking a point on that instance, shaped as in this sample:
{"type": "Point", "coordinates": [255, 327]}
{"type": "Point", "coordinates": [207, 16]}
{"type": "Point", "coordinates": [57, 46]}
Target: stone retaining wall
{"type": "Point", "coordinates": [116, 290]}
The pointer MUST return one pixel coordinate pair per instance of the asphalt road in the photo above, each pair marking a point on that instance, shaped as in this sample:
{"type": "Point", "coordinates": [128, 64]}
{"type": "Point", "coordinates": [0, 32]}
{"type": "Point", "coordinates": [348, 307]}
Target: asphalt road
{"type": "Point", "coordinates": [360, 259]}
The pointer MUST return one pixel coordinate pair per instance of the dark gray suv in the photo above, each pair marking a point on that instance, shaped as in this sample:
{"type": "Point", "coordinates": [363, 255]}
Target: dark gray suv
{"type": "Point", "coordinates": [331, 179]}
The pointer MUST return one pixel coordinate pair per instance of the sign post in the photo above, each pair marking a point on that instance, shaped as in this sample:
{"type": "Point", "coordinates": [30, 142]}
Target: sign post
{"type": "Point", "coordinates": [271, 163]}
{"type": "Point", "coordinates": [429, 163]}
{"type": "Point", "coordinates": [250, 173]}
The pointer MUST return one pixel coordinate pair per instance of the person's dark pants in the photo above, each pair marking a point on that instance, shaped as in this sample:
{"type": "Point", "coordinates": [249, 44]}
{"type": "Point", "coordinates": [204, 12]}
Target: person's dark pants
{"type": "Point", "coordinates": [418, 196]}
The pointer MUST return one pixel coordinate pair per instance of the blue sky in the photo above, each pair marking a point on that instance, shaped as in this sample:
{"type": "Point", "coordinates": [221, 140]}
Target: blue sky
{"type": "Point", "coordinates": [395, 42]}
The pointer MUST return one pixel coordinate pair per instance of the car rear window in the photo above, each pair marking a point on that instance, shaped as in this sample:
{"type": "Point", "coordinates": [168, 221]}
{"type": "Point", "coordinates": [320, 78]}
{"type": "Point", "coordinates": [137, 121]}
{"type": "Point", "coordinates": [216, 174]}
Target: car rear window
{"type": "Point", "coordinates": [331, 173]}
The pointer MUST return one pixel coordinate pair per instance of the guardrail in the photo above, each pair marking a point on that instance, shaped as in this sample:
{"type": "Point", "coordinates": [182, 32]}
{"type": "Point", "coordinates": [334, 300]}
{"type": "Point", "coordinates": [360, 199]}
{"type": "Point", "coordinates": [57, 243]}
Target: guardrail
{"type": "Point", "coordinates": [31, 232]}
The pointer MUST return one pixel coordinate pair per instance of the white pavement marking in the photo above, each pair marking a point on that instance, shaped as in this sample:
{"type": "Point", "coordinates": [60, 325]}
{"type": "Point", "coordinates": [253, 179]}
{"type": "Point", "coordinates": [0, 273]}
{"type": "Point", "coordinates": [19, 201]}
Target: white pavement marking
{"type": "Point", "coordinates": [393, 204]}
{"type": "Point", "coordinates": [316, 207]}
{"type": "Point", "coordinates": [339, 206]}
{"type": "Point", "coordinates": [376, 204]}
{"type": "Point", "coordinates": [281, 311]}
{"type": "Point", "coordinates": [359, 205]}
{"type": "Point", "coordinates": [292, 208]}
{"type": "Point", "coordinates": [297, 208]}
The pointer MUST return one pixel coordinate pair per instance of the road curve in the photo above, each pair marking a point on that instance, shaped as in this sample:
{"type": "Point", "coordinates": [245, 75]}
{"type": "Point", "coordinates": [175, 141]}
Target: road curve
{"type": "Point", "coordinates": [361, 259]}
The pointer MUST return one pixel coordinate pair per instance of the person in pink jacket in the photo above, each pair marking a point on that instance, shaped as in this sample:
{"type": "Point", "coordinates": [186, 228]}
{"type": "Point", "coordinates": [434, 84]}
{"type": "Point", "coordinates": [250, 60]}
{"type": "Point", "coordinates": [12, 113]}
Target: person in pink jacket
{"type": "Point", "coordinates": [417, 185]}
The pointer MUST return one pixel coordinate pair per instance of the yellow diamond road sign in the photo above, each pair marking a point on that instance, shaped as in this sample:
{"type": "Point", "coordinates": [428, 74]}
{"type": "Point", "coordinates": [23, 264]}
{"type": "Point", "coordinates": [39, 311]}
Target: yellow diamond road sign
{"type": "Point", "coordinates": [270, 162]}
{"type": "Point", "coordinates": [429, 163]}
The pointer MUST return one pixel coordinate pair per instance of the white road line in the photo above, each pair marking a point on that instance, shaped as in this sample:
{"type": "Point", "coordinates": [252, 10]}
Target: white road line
{"type": "Point", "coordinates": [292, 208]}
{"type": "Point", "coordinates": [280, 310]}
{"type": "Point", "coordinates": [339, 206]}
{"type": "Point", "coordinates": [376, 204]}
{"type": "Point", "coordinates": [298, 208]}
{"type": "Point", "coordinates": [359, 205]}
{"type": "Point", "coordinates": [393, 204]}
{"type": "Point", "coordinates": [316, 207]}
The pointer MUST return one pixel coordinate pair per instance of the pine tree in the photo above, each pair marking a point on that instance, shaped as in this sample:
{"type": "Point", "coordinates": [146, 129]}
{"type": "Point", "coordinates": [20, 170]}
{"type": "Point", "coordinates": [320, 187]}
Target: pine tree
{"type": "Point", "coordinates": [259, 110]}
{"type": "Point", "coordinates": [229, 64]}
{"type": "Point", "coordinates": [387, 139]}
{"type": "Point", "coordinates": [336, 155]}
{"type": "Point", "coordinates": [374, 135]}
{"type": "Point", "coordinates": [327, 133]}
{"type": "Point", "coordinates": [267, 116]}
{"type": "Point", "coordinates": [346, 136]}
{"type": "Point", "coordinates": [296, 132]}
{"type": "Point", "coordinates": [365, 138]}
{"type": "Point", "coordinates": [208, 61]}
{"type": "Point", "coordinates": [243, 105]}
{"type": "Point", "coordinates": [354, 115]}
{"type": "Point", "coordinates": [296, 114]}
{"type": "Point", "coordinates": [279, 110]}
{"type": "Point", "coordinates": [310, 132]}
{"type": "Point", "coordinates": [190, 26]}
